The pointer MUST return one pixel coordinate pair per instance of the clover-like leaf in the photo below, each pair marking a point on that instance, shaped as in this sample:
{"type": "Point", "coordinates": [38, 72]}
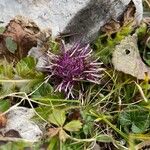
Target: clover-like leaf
{"type": "Point", "coordinates": [57, 117]}
{"type": "Point", "coordinates": [44, 91]}
{"type": "Point", "coordinates": [74, 125]}
{"type": "Point", "coordinates": [26, 67]}
{"type": "Point", "coordinates": [53, 131]}
{"type": "Point", "coordinates": [135, 118]}
{"type": "Point", "coordinates": [11, 45]}
{"type": "Point", "coordinates": [62, 135]}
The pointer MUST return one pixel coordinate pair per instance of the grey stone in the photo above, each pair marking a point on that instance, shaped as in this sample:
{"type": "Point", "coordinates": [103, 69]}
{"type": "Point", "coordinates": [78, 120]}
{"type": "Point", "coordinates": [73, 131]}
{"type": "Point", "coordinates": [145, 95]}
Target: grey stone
{"type": "Point", "coordinates": [81, 18]}
{"type": "Point", "coordinates": [19, 119]}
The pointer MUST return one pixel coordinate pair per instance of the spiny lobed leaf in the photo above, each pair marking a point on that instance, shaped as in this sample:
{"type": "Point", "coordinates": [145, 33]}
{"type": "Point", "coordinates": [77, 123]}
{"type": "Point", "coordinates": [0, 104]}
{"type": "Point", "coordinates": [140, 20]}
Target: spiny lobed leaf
{"type": "Point", "coordinates": [23, 76]}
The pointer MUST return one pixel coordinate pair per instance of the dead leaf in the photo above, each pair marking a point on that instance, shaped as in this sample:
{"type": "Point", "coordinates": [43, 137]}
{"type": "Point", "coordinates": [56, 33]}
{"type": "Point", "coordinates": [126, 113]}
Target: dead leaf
{"type": "Point", "coordinates": [63, 135]}
{"type": "Point", "coordinates": [111, 27]}
{"type": "Point", "coordinates": [53, 131]}
{"type": "Point", "coordinates": [126, 58]}
{"type": "Point", "coordinates": [128, 16]}
{"type": "Point", "coordinates": [3, 121]}
{"type": "Point", "coordinates": [23, 32]}
{"type": "Point", "coordinates": [144, 144]}
{"type": "Point", "coordinates": [74, 115]}
{"type": "Point", "coordinates": [147, 21]}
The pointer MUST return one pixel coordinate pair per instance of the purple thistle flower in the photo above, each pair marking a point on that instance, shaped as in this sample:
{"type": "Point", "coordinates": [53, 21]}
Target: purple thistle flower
{"type": "Point", "coordinates": [72, 65]}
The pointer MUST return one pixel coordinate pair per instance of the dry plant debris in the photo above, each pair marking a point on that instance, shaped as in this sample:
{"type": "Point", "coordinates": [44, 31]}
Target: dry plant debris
{"type": "Point", "coordinates": [18, 38]}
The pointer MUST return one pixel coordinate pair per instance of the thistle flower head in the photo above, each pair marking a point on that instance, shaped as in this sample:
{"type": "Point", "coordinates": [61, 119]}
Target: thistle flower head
{"type": "Point", "coordinates": [71, 66]}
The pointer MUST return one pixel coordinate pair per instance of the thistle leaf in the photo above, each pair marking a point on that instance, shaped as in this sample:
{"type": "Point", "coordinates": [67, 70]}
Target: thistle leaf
{"type": "Point", "coordinates": [74, 125]}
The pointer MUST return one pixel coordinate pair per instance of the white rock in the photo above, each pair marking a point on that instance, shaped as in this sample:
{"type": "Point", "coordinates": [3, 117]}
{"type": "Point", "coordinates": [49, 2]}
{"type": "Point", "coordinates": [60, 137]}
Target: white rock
{"type": "Point", "coordinates": [19, 119]}
{"type": "Point", "coordinates": [79, 16]}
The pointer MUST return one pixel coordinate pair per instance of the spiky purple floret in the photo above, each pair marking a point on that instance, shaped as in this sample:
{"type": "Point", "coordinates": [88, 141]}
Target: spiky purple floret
{"type": "Point", "coordinates": [73, 65]}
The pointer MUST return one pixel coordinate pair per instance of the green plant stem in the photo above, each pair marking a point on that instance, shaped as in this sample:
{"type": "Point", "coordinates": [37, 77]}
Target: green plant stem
{"type": "Point", "coordinates": [103, 118]}
{"type": "Point", "coordinates": [116, 129]}
{"type": "Point", "coordinates": [81, 140]}
{"type": "Point", "coordinates": [60, 145]}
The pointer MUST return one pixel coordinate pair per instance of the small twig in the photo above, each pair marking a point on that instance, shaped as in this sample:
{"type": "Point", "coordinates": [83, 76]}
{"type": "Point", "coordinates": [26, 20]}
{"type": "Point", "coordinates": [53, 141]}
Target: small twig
{"type": "Point", "coordinates": [13, 107]}
{"type": "Point", "coordinates": [6, 139]}
{"type": "Point", "coordinates": [141, 92]}
{"type": "Point", "coordinates": [26, 98]}
{"type": "Point", "coordinates": [34, 109]}
{"type": "Point", "coordinates": [47, 78]}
